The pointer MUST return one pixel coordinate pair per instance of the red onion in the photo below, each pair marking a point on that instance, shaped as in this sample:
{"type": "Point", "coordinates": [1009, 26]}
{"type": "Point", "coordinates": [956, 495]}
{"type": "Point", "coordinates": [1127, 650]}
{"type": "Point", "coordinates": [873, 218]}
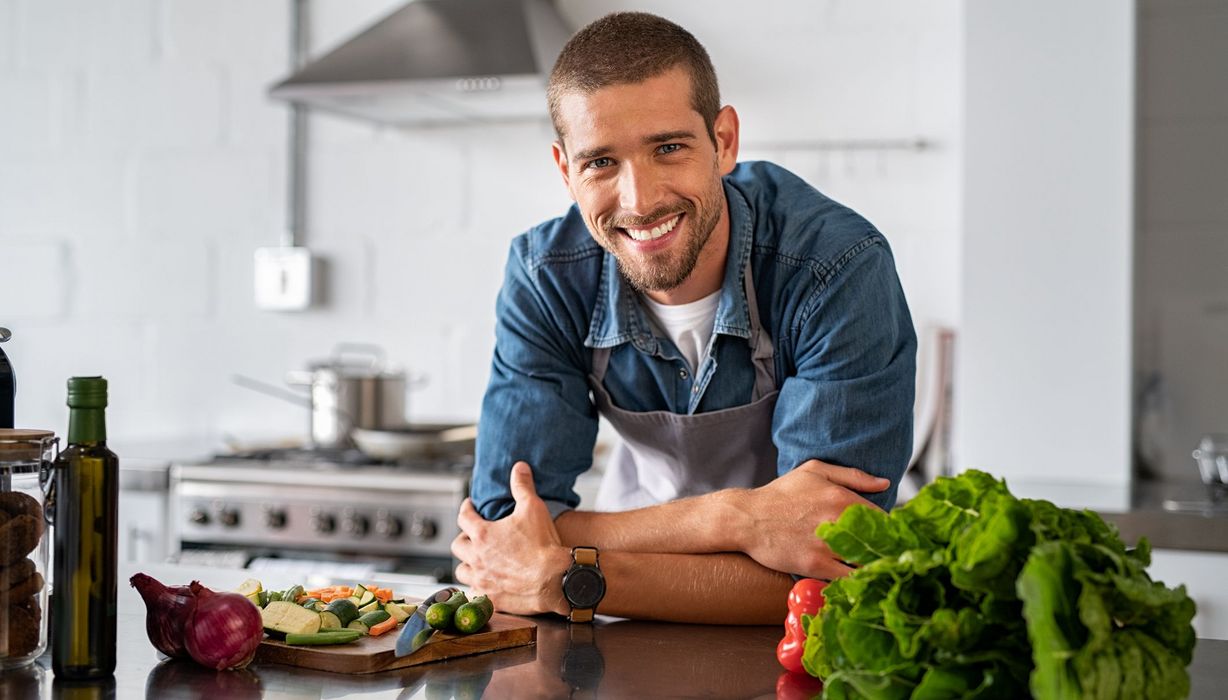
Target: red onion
{"type": "Point", "coordinates": [166, 609]}
{"type": "Point", "coordinates": [223, 629]}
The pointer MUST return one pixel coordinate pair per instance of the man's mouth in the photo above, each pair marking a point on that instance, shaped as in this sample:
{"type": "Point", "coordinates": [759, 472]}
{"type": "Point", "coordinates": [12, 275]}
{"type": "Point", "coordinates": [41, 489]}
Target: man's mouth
{"type": "Point", "coordinates": [654, 232]}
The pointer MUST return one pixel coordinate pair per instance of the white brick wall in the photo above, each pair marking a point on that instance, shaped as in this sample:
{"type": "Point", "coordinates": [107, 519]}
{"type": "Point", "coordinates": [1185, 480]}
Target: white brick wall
{"type": "Point", "coordinates": [144, 165]}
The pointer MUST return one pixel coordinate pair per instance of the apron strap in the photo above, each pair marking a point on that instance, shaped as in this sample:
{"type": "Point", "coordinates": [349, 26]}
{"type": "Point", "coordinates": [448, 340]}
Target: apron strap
{"type": "Point", "coordinates": [601, 361]}
{"type": "Point", "coordinates": [763, 355]}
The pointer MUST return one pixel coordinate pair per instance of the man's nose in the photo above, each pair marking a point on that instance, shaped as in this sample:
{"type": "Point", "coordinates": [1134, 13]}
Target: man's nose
{"type": "Point", "coordinates": [639, 190]}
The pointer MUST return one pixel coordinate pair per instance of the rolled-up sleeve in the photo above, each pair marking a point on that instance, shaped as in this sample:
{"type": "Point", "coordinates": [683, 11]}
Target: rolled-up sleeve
{"type": "Point", "coordinates": [536, 407]}
{"type": "Point", "coordinates": [849, 400]}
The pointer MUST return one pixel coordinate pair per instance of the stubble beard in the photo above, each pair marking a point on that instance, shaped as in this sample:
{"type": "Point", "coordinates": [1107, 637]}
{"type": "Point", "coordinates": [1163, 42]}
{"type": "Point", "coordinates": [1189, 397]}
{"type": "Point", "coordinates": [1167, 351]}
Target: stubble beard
{"type": "Point", "coordinates": [666, 270]}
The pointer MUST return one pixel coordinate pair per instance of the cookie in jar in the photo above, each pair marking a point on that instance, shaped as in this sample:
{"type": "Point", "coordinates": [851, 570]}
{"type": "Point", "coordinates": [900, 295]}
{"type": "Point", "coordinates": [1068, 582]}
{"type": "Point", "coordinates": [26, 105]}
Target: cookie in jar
{"type": "Point", "coordinates": [24, 456]}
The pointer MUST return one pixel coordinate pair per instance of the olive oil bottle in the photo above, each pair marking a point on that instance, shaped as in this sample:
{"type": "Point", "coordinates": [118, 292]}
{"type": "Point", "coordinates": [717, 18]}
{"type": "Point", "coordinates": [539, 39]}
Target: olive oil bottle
{"type": "Point", "coordinates": [86, 500]}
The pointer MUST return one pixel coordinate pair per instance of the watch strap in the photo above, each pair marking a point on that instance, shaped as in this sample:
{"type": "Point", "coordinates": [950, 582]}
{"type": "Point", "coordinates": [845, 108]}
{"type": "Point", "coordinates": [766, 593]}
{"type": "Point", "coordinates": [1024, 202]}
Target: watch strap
{"type": "Point", "coordinates": [583, 556]}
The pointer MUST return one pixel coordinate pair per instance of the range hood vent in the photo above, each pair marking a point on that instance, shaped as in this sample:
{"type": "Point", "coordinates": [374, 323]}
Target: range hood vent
{"type": "Point", "coordinates": [439, 62]}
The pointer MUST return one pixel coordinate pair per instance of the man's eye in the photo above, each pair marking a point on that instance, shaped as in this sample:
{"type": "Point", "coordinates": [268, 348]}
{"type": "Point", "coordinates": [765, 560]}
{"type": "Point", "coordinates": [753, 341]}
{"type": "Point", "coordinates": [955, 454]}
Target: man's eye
{"type": "Point", "coordinates": [598, 163]}
{"type": "Point", "coordinates": [670, 147]}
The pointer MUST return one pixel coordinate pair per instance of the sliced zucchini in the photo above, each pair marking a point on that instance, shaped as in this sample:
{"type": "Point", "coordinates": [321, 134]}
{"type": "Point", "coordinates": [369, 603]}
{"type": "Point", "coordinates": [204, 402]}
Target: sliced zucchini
{"type": "Point", "coordinates": [311, 603]}
{"type": "Point", "coordinates": [370, 607]}
{"type": "Point", "coordinates": [250, 589]}
{"type": "Point", "coordinates": [372, 619]}
{"type": "Point", "coordinates": [396, 611]}
{"type": "Point", "coordinates": [359, 589]}
{"type": "Point", "coordinates": [288, 618]}
{"type": "Point", "coordinates": [293, 594]}
{"type": "Point", "coordinates": [330, 621]}
{"type": "Point", "coordinates": [366, 598]}
{"type": "Point", "coordinates": [409, 608]}
{"type": "Point", "coordinates": [345, 610]}
{"type": "Point", "coordinates": [358, 625]}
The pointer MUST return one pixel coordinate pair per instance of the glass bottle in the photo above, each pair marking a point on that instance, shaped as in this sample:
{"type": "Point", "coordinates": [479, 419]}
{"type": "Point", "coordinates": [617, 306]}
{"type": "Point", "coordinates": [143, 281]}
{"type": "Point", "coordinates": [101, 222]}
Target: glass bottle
{"type": "Point", "coordinates": [86, 499]}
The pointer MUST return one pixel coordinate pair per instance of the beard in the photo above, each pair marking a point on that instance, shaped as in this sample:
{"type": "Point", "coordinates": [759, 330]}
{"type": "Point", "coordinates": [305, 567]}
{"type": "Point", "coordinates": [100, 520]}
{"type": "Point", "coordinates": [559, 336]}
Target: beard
{"type": "Point", "coordinates": [669, 268]}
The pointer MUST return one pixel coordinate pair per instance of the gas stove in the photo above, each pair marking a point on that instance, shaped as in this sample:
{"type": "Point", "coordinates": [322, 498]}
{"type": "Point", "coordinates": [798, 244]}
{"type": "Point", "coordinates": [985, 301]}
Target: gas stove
{"type": "Point", "coordinates": [337, 506]}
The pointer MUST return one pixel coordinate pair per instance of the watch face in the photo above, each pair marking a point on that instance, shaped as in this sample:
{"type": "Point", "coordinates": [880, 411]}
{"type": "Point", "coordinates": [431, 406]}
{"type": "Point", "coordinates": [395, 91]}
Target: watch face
{"type": "Point", "coordinates": [584, 587]}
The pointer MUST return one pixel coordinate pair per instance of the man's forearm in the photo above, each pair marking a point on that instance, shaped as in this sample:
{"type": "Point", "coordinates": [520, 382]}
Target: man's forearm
{"type": "Point", "coordinates": [698, 525]}
{"type": "Point", "coordinates": [729, 589]}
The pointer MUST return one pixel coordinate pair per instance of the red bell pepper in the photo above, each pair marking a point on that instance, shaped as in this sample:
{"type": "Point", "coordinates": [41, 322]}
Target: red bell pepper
{"type": "Point", "coordinates": [798, 686]}
{"type": "Point", "coordinates": [805, 598]}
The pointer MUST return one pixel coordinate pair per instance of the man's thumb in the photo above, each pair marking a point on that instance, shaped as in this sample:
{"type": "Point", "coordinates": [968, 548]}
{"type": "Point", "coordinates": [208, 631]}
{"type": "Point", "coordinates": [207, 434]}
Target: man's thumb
{"type": "Point", "coordinates": [522, 482]}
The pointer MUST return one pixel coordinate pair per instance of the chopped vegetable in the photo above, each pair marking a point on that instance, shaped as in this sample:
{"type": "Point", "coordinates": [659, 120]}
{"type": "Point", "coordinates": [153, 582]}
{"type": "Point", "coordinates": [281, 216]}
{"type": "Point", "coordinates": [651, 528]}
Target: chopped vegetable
{"type": "Point", "coordinates": [319, 638]}
{"type": "Point", "coordinates": [389, 624]}
{"type": "Point", "coordinates": [288, 618]}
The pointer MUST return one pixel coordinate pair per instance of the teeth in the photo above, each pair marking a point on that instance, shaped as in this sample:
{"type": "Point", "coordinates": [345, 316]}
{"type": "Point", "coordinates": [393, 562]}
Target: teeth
{"type": "Point", "coordinates": [656, 232]}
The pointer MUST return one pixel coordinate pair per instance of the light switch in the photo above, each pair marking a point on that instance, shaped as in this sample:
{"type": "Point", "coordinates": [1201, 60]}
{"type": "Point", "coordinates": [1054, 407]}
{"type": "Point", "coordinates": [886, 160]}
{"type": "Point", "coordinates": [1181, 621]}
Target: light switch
{"type": "Point", "coordinates": [283, 279]}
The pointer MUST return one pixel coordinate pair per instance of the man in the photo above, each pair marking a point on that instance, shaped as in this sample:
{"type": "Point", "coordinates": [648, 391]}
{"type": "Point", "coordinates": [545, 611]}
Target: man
{"type": "Point", "coordinates": [742, 333]}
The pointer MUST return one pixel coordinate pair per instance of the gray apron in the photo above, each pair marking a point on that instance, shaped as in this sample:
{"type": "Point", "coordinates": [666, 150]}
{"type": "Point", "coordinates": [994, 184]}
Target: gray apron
{"type": "Point", "coordinates": [664, 455]}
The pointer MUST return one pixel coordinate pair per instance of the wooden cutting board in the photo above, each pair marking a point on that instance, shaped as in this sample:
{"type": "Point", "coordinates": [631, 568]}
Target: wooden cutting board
{"type": "Point", "coordinates": [374, 654]}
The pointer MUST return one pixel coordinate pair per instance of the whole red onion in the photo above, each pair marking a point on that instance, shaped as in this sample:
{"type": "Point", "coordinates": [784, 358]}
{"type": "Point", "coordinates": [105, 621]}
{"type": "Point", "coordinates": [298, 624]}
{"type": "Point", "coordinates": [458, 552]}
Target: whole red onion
{"type": "Point", "coordinates": [223, 629]}
{"type": "Point", "coordinates": [166, 609]}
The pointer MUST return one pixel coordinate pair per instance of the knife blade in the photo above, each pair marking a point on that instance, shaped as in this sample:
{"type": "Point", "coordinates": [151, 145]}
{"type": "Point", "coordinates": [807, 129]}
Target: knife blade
{"type": "Point", "coordinates": [416, 631]}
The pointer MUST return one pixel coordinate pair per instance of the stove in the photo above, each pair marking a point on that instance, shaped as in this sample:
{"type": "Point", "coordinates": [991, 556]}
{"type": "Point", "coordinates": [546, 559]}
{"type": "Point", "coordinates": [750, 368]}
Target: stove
{"type": "Point", "coordinates": [299, 505]}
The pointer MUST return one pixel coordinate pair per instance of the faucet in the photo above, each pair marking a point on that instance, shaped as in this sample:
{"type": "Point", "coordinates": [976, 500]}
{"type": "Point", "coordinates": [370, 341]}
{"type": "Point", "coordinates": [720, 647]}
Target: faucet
{"type": "Point", "coordinates": [8, 384]}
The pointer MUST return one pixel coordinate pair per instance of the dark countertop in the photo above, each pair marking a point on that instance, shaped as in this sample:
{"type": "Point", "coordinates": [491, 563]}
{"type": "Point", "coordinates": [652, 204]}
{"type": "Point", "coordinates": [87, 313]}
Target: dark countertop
{"type": "Point", "coordinates": [1190, 527]}
{"type": "Point", "coordinates": [614, 659]}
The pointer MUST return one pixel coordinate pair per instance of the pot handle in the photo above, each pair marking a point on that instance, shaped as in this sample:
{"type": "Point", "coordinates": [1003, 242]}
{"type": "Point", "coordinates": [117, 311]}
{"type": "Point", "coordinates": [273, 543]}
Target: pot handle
{"type": "Point", "coordinates": [370, 351]}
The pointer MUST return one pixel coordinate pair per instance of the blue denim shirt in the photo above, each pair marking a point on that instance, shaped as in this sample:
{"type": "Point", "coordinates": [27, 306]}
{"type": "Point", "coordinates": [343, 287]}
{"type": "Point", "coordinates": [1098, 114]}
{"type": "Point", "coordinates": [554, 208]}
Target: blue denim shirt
{"type": "Point", "coordinates": [828, 294]}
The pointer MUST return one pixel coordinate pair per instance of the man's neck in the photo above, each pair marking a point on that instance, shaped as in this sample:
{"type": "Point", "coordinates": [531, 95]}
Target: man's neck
{"type": "Point", "coordinates": [709, 272]}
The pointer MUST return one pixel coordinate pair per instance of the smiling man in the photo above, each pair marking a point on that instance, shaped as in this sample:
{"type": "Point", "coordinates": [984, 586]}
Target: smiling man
{"type": "Point", "coordinates": [745, 336]}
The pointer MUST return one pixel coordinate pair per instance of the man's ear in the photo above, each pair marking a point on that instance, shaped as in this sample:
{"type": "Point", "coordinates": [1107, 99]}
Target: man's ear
{"type": "Point", "coordinates": [560, 160]}
{"type": "Point", "coordinates": [725, 128]}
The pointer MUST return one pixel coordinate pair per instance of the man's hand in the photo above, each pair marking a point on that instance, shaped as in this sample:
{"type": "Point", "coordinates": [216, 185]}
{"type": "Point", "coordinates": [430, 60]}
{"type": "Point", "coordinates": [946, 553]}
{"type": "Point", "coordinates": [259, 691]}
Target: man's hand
{"type": "Point", "coordinates": [518, 561]}
{"type": "Point", "coordinates": [781, 516]}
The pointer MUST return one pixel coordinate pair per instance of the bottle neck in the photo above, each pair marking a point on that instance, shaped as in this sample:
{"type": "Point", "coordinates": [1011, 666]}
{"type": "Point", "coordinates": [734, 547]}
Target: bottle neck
{"type": "Point", "coordinates": [87, 426]}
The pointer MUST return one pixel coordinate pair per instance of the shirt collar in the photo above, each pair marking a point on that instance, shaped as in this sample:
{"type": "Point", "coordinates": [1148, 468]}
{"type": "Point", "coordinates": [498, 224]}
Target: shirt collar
{"type": "Point", "coordinates": [619, 317]}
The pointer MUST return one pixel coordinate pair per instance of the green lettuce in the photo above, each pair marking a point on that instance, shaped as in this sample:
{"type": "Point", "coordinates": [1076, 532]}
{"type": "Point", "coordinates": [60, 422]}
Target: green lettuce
{"type": "Point", "coordinates": [969, 592]}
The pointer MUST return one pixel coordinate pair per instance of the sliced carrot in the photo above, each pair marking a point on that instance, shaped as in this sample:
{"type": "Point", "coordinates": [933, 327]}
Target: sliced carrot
{"type": "Point", "coordinates": [383, 596]}
{"type": "Point", "coordinates": [377, 630]}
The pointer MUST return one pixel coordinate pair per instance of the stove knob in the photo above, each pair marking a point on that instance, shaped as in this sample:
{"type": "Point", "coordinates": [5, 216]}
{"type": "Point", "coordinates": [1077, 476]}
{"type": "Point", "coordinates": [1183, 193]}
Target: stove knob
{"type": "Point", "coordinates": [199, 517]}
{"type": "Point", "coordinates": [324, 524]}
{"type": "Point", "coordinates": [229, 517]}
{"type": "Point", "coordinates": [389, 527]}
{"type": "Point", "coordinates": [275, 519]}
{"type": "Point", "coordinates": [357, 525]}
{"type": "Point", "coordinates": [423, 528]}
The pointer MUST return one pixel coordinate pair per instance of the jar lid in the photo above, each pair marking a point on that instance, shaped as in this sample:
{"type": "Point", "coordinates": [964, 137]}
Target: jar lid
{"type": "Point", "coordinates": [22, 443]}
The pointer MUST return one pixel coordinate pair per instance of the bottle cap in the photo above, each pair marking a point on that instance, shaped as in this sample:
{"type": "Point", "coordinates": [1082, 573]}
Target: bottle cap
{"type": "Point", "coordinates": [87, 392]}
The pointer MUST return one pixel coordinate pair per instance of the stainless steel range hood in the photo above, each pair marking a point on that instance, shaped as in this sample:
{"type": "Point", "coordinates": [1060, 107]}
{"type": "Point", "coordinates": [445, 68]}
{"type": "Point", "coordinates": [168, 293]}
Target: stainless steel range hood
{"type": "Point", "coordinates": [439, 61]}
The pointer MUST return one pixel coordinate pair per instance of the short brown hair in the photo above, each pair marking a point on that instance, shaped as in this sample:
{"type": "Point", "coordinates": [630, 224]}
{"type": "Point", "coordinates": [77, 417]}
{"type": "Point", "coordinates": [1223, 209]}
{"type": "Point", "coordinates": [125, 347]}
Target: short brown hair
{"type": "Point", "coordinates": [630, 47]}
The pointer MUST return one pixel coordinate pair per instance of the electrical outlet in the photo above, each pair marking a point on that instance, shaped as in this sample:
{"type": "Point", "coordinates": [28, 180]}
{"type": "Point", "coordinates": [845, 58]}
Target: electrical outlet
{"type": "Point", "coordinates": [283, 279]}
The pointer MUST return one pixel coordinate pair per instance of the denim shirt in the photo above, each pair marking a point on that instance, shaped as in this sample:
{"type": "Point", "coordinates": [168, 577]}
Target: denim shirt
{"type": "Point", "coordinates": [828, 294]}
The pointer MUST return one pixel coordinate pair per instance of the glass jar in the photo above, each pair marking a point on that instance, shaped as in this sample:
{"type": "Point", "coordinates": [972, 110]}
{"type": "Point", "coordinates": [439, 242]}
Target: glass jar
{"type": "Point", "coordinates": [25, 455]}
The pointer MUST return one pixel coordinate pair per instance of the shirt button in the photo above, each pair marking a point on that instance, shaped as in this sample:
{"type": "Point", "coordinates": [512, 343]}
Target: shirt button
{"type": "Point", "coordinates": [682, 373]}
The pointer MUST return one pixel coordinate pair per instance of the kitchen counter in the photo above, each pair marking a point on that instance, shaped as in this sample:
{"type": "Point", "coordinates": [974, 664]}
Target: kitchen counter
{"type": "Point", "coordinates": [1191, 528]}
{"type": "Point", "coordinates": [612, 658]}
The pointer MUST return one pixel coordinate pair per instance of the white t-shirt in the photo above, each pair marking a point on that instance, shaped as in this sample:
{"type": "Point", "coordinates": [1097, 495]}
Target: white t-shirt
{"type": "Point", "coordinates": [688, 325]}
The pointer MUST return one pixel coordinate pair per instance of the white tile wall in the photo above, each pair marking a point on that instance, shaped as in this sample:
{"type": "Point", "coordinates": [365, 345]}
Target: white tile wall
{"type": "Point", "coordinates": [146, 164]}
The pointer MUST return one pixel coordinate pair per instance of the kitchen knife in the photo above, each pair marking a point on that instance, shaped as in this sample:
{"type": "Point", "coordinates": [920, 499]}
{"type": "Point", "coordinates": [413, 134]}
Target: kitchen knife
{"type": "Point", "coordinates": [416, 631]}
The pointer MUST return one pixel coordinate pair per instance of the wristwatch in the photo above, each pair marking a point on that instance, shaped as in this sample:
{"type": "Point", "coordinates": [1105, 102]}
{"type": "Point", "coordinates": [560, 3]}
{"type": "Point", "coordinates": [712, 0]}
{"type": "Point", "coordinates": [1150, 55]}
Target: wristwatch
{"type": "Point", "coordinates": [583, 584]}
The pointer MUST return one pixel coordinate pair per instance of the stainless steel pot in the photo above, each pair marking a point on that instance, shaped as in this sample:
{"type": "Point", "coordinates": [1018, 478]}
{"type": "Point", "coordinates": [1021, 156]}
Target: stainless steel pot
{"type": "Point", "coordinates": [352, 389]}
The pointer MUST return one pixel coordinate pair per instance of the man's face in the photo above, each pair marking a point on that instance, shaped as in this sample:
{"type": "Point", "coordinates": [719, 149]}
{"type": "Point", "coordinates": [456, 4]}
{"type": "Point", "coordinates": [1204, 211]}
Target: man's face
{"type": "Point", "coordinates": [646, 176]}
